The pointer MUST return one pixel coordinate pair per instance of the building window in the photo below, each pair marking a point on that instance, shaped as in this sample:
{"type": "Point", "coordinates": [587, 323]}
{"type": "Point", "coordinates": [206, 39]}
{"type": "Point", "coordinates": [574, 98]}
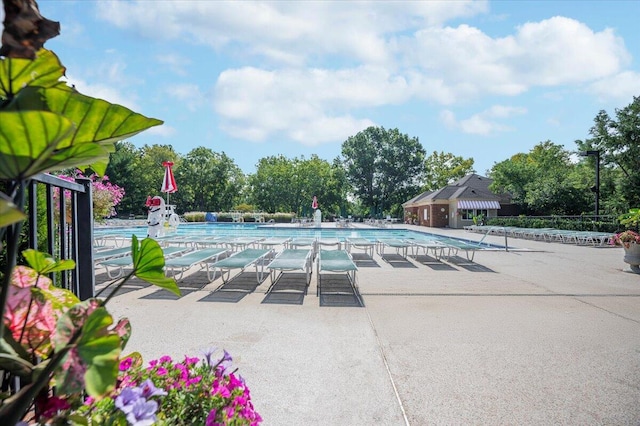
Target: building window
{"type": "Point", "coordinates": [469, 214]}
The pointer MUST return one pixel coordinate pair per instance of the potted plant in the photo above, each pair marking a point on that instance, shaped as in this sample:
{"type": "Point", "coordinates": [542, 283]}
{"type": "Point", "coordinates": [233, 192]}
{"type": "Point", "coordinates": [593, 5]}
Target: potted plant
{"type": "Point", "coordinates": [630, 239]}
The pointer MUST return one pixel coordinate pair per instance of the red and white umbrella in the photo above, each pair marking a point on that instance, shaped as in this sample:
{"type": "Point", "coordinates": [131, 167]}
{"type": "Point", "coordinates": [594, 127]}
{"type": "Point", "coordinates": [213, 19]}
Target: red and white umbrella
{"type": "Point", "coordinates": [169, 182]}
{"type": "Point", "coordinates": [314, 203]}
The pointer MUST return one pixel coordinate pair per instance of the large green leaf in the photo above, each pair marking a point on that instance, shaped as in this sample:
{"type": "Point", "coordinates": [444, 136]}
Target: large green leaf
{"type": "Point", "coordinates": [9, 212]}
{"type": "Point", "coordinates": [91, 362]}
{"type": "Point", "coordinates": [16, 74]}
{"type": "Point", "coordinates": [43, 263]}
{"type": "Point", "coordinates": [27, 138]}
{"type": "Point", "coordinates": [96, 120]}
{"type": "Point", "coordinates": [100, 349]}
{"type": "Point", "coordinates": [148, 264]}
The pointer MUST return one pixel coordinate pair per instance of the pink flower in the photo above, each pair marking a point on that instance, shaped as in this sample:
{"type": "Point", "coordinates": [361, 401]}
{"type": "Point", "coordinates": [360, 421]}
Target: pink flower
{"type": "Point", "coordinates": [125, 364]}
{"type": "Point", "coordinates": [53, 405]}
{"type": "Point", "coordinates": [211, 418]}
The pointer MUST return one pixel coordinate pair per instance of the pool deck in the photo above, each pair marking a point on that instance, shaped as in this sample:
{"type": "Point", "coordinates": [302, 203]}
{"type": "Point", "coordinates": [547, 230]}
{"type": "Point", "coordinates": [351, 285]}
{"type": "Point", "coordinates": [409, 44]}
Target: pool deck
{"type": "Point", "coordinates": [546, 334]}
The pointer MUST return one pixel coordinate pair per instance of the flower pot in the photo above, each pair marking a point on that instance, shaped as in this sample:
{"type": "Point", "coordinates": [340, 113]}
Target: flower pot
{"type": "Point", "coordinates": [632, 256]}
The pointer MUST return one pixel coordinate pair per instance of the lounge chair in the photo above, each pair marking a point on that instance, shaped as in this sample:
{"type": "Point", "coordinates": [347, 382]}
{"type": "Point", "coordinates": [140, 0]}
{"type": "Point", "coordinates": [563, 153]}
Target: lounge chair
{"type": "Point", "coordinates": [436, 247]}
{"type": "Point", "coordinates": [180, 264]}
{"type": "Point", "coordinates": [242, 260]}
{"type": "Point", "coordinates": [303, 243]}
{"type": "Point", "coordinates": [291, 260]}
{"type": "Point", "coordinates": [119, 264]}
{"type": "Point", "coordinates": [102, 255]}
{"type": "Point", "coordinates": [329, 242]}
{"type": "Point", "coordinates": [401, 246]}
{"type": "Point", "coordinates": [469, 248]}
{"type": "Point", "coordinates": [241, 243]}
{"type": "Point", "coordinates": [336, 261]}
{"type": "Point", "coordinates": [272, 242]}
{"type": "Point", "coordinates": [360, 244]}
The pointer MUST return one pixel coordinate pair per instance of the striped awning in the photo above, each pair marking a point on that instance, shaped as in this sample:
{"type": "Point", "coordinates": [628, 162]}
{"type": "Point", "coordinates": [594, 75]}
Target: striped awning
{"type": "Point", "coordinates": [478, 205]}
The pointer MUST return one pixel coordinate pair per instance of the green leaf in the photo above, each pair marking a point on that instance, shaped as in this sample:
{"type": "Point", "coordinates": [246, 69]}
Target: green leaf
{"type": "Point", "coordinates": [91, 363]}
{"type": "Point", "coordinates": [43, 263]}
{"type": "Point", "coordinates": [8, 345]}
{"type": "Point", "coordinates": [148, 264]}
{"type": "Point", "coordinates": [9, 212]}
{"type": "Point", "coordinates": [78, 419]}
{"type": "Point", "coordinates": [100, 350]}
{"type": "Point", "coordinates": [15, 74]}
{"type": "Point", "coordinates": [27, 138]}
{"type": "Point", "coordinates": [15, 365]}
{"type": "Point", "coordinates": [97, 120]}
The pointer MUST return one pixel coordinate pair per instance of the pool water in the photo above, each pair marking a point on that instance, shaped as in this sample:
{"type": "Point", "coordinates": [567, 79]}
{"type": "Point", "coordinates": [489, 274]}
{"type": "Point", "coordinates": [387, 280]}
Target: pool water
{"type": "Point", "coordinates": [266, 231]}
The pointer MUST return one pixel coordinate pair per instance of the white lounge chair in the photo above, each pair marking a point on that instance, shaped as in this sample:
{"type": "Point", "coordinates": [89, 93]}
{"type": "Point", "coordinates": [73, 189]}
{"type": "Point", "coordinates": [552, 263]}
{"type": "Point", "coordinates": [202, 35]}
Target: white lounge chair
{"type": "Point", "coordinates": [361, 244]}
{"type": "Point", "coordinates": [337, 261]}
{"type": "Point", "coordinates": [180, 264]}
{"type": "Point", "coordinates": [102, 255]}
{"type": "Point", "coordinates": [119, 264]}
{"type": "Point", "coordinates": [272, 242]}
{"type": "Point", "coordinates": [291, 260]}
{"type": "Point", "coordinates": [401, 246]}
{"type": "Point", "coordinates": [242, 260]}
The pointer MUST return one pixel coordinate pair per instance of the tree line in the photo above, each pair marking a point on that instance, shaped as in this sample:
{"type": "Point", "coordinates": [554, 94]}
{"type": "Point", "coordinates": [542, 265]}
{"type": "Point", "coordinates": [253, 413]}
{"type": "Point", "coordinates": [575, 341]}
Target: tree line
{"type": "Point", "coordinates": [379, 169]}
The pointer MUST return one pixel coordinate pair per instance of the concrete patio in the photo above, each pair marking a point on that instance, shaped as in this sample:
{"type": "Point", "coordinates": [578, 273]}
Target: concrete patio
{"type": "Point", "coordinates": [546, 334]}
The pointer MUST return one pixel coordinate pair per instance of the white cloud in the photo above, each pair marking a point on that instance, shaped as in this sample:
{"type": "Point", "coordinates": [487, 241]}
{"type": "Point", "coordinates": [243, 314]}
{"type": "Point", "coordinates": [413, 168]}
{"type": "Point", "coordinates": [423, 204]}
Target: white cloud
{"type": "Point", "coordinates": [175, 63]}
{"type": "Point", "coordinates": [163, 131]}
{"type": "Point", "coordinates": [619, 87]}
{"type": "Point", "coordinates": [309, 106]}
{"type": "Point", "coordinates": [483, 123]}
{"type": "Point", "coordinates": [304, 69]}
{"type": "Point", "coordinates": [189, 94]}
{"type": "Point", "coordinates": [552, 52]}
{"type": "Point", "coordinates": [290, 30]}
{"type": "Point", "coordinates": [105, 91]}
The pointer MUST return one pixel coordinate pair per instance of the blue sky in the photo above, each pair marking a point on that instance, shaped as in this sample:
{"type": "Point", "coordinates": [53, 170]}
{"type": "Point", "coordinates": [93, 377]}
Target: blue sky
{"type": "Point", "coordinates": [480, 79]}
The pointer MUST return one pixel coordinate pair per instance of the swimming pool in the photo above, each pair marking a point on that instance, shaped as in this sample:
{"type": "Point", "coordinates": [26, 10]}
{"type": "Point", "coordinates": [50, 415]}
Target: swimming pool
{"type": "Point", "coordinates": [266, 231]}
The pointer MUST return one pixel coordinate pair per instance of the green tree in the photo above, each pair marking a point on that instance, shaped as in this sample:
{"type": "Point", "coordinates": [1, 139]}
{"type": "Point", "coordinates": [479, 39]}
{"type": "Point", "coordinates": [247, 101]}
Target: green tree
{"type": "Point", "coordinates": [149, 173]}
{"type": "Point", "coordinates": [384, 167]}
{"type": "Point", "coordinates": [443, 168]}
{"type": "Point", "coordinates": [288, 185]}
{"type": "Point", "coordinates": [209, 181]}
{"type": "Point", "coordinates": [121, 171]}
{"type": "Point", "coordinates": [543, 181]}
{"type": "Point", "coordinates": [618, 141]}
{"type": "Point", "coordinates": [273, 187]}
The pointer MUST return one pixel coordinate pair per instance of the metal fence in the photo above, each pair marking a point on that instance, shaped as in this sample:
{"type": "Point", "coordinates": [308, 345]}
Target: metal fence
{"type": "Point", "coordinates": [63, 227]}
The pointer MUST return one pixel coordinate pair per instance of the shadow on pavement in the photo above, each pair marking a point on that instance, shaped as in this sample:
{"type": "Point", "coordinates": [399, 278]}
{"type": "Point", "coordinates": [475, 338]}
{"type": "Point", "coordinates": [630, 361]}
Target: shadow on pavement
{"type": "Point", "coordinates": [289, 289]}
{"type": "Point", "coordinates": [363, 260]}
{"type": "Point", "coordinates": [468, 265]}
{"type": "Point", "coordinates": [397, 261]}
{"type": "Point", "coordinates": [163, 294]}
{"type": "Point", "coordinates": [336, 290]}
{"type": "Point", "coordinates": [433, 263]}
{"type": "Point", "coordinates": [234, 290]}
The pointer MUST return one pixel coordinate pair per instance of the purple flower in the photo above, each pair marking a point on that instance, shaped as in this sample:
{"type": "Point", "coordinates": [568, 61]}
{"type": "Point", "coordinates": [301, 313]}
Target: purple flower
{"type": "Point", "coordinates": [143, 413]}
{"type": "Point", "coordinates": [149, 389]}
{"type": "Point", "coordinates": [225, 362]}
{"type": "Point", "coordinates": [207, 354]}
{"type": "Point", "coordinates": [127, 398]}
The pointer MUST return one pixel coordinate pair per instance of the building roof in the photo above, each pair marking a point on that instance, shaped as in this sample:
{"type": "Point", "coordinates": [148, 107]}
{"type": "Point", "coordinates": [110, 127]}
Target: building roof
{"type": "Point", "coordinates": [470, 187]}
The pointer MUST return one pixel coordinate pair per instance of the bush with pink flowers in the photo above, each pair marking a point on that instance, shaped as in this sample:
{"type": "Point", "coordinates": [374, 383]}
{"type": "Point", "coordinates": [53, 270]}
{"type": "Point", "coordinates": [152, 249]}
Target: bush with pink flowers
{"type": "Point", "coordinates": [193, 391]}
{"type": "Point", "coordinates": [106, 195]}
